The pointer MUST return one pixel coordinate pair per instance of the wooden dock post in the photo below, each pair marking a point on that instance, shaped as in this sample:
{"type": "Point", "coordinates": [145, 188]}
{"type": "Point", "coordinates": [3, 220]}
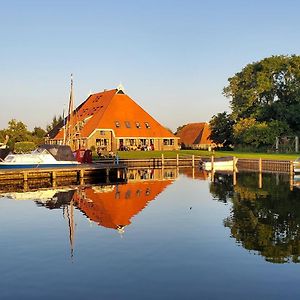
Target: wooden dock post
{"type": "Point", "coordinates": [107, 175]}
{"type": "Point", "coordinates": [177, 160]}
{"type": "Point", "coordinates": [81, 177]}
{"type": "Point", "coordinates": [193, 161]}
{"type": "Point", "coordinates": [260, 173]}
{"type": "Point", "coordinates": [291, 175]}
{"type": "Point", "coordinates": [25, 176]}
{"type": "Point", "coordinates": [162, 160]}
{"type": "Point", "coordinates": [260, 165]}
{"type": "Point", "coordinates": [53, 178]}
{"type": "Point", "coordinates": [234, 164]}
{"type": "Point", "coordinates": [212, 163]}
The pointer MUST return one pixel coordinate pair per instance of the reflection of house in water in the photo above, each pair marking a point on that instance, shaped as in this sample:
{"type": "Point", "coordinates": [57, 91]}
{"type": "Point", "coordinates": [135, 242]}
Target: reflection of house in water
{"type": "Point", "coordinates": [115, 207]}
{"type": "Point", "coordinates": [111, 206]}
{"type": "Point", "coordinates": [152, 174]}
{"type": "Point", "coordinates": [195, 173]}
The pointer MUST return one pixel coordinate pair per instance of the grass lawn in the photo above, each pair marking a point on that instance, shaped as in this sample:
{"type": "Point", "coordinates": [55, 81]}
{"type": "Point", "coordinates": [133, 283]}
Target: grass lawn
{"type": "Point", "coordinates": [172, 154]}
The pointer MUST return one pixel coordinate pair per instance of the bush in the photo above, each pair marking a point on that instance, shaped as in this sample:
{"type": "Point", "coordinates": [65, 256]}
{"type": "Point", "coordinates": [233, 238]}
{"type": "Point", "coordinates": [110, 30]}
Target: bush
{"type": "Point", "coordinates": [24, 147]}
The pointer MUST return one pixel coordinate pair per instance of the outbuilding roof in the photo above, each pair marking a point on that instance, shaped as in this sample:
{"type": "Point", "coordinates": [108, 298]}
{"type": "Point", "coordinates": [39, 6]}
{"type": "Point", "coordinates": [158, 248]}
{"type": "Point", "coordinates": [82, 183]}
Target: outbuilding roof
{"type": "Point", "coordinates": [195, 134]}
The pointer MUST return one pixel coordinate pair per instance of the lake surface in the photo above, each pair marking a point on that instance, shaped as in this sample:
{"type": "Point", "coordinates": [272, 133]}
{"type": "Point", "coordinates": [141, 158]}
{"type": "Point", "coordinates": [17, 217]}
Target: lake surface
{"type": "Point", "coordinates": [163, 235]}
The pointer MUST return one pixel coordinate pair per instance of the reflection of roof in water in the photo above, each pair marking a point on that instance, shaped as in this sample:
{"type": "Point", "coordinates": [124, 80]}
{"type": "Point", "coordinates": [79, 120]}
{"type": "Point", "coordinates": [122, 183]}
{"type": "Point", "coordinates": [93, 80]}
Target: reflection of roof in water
{"type": "Point", "coordinates": [115, 209]}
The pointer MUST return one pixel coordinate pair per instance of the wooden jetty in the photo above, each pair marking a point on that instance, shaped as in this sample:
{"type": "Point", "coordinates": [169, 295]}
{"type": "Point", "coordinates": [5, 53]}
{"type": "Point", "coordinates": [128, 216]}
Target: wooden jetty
{"type": "Point", "coordinates": [159, 162]}
{"type": "Point", "coordinates": [76, 174]}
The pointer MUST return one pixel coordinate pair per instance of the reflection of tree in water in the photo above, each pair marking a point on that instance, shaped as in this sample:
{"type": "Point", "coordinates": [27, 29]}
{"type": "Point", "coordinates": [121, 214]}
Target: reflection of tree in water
{"type": "Point", "coordinates": [222, 187]}
{"type": "Point", "coordinates": [266, 220]}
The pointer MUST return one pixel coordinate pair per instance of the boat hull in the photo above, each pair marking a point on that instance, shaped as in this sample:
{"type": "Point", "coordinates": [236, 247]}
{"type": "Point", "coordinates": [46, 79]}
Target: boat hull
{"type": "Point", "coordinates": [4, 166]}
{"type": "Point", "coordinates": [227, 163]}
{"type": "Point", "coordinates": [222, 166]}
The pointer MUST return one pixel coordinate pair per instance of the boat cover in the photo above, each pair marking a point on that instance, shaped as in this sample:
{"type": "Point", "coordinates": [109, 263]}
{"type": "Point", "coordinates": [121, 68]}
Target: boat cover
{"type": "Point", "coordinates": [59, 152]}
{"type": "Point", "coordinates": [3, 153]}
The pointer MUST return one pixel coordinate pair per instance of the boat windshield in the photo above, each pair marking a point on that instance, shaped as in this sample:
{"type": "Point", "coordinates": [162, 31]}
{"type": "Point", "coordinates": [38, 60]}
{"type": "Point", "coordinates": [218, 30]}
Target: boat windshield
{"type": "Point", "coordinates": [9, 158]}
{"type": "Point", "coordinates": [39, 151]}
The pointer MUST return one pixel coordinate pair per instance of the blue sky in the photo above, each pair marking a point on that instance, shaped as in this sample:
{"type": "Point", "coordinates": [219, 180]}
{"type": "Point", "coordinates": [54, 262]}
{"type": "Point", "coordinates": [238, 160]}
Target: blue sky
{"type": "Point", "coordinates": [173, 57]}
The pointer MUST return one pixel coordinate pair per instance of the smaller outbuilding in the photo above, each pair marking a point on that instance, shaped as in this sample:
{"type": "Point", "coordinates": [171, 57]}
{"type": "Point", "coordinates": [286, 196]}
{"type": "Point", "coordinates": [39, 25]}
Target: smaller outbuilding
{"type": "Point", "coordinates": [195, 136]}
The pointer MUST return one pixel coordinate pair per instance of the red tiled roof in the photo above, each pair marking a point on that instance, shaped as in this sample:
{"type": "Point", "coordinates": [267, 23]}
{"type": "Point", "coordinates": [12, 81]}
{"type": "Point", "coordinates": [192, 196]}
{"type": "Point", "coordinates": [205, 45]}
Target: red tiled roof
{"type": "Point", "coordinates": [195, 133]}
{"type": "Point", "coordinates": [103, 110]}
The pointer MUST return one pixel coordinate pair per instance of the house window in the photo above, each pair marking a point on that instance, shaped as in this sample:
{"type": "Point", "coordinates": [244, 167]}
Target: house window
{"type": "Point", "coordinates": [101, 142]}
{"type": "Point", "coordinates": [127, 124]}
{"type": "Point", "coordinates": [147, 125]}
{"type": "Point", "coordinates": [117, 123]}
{"type": "Point", "coordinates": [168, 142]}
{"type": "Point", "coordinates": [138, 124]}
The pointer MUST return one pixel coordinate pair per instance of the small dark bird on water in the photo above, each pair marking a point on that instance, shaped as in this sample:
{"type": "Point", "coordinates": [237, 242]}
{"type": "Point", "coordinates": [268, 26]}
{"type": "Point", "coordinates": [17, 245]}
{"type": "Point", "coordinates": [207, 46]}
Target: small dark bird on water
{"type": "Point", "coordinates": [191, 207]}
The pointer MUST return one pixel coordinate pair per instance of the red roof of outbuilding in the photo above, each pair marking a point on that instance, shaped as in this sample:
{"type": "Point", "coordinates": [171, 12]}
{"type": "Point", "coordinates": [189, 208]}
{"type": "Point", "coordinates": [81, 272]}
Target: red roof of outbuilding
{"type": "Point", "coordinates": [195, 133]}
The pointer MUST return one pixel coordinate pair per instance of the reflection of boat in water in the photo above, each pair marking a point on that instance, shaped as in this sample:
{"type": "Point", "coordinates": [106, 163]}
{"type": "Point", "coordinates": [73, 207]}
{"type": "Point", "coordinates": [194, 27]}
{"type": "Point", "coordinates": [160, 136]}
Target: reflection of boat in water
{"type": "Point", "coordinates": [43, 157]}
{"type": "Point", "coordinates": [226, 163]}
{"type": "Point", "coordinates": [297, 181]}
{"type": "Point", "coordinates": [50, 198]}
{"type": "Point", "coordinates": [297, 165]}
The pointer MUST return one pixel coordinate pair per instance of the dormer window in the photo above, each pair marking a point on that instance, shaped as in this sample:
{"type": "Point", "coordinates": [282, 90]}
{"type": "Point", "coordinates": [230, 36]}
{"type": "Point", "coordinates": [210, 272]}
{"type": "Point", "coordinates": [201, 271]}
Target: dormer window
{"type": "Point", "coordinates": [127, 124]}
{"type": "Point", "coordinates": [147, 125]}
{"type": "Point", "coordinates": [117, 123]}
{"type": "Point", "coordinates": [138, 124]}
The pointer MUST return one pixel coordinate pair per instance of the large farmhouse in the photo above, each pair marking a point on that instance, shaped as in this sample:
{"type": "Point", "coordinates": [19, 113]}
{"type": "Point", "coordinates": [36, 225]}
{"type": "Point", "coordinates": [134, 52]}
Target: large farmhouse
{"type": "Point", "coordinates": [112, 121]}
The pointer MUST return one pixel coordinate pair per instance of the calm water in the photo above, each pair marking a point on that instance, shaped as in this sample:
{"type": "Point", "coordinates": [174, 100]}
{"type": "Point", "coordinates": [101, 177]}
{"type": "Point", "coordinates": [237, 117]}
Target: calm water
{"type": "Point", "coordinates": [163, 235]}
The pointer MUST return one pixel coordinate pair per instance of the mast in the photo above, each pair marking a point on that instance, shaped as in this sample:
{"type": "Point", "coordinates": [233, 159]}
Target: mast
{"type": "Point", "coordinates": [70, 122]}
{"type": "Point", "coordinates": [69, 212]}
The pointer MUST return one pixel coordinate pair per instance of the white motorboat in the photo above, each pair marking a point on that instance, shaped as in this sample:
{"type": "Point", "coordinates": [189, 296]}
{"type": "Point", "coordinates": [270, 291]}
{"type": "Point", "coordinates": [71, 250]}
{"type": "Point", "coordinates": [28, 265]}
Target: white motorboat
{"type": "Point", "coordinates": [46, 156]}
{"type": "Point", "coordinates": [226, 163]}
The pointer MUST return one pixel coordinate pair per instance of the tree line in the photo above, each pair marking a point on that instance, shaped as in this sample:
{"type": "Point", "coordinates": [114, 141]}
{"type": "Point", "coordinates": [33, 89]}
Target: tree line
{"type": "Point", "coordinates": [265, 104]}
{"type": "Point", "coordinates": [18, 133]}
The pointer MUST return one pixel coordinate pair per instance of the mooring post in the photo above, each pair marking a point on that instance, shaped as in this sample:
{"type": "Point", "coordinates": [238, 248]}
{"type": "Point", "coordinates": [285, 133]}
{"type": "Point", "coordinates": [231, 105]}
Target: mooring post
{"type": "Point", "coordinates": [25, 176]}
{"type": "Point", "coordinates": [234, 176]}
{"type": "Point", "coordinates": [212, 163]}
{"type": "Point", "coordinates": [81, 177]}
{"type": "Point", "coordinates": [81, 173]}
{"type": "Point", "coordinates": [177, 160]}
{"type": "Point", "coordinates": [193, 161]}
{"type": "Point", "coordinates": [260, 180]}
{"type": "Point", "coordinates": [107, 175]}
{"type": "Point", "coordinates": [53, 178]}
{"type": "Point", "coordinates": [260, 165]}
{"type": "Point", "coordinates": [291, 175]}
{"type": "Point", "coordinates": [162, 160]}
{"type": "Point", "coordinates": [234, 164]}
{"type": "Point", "coordinates": [260, 173]}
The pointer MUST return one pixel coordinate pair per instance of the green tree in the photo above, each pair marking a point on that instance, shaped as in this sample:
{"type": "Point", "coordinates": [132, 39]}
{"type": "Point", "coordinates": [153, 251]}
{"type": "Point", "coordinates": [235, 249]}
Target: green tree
{"type": "Point", "coordinates": [17, 132]}
{"type": "Point", "coordinates": [55, 121]}
{"type": "Point", "coordinates": [221, 126]}
{"type": "Point", "coordinates": [267, 90]}
{"type": "Point", "coordinates": [38, 135]}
